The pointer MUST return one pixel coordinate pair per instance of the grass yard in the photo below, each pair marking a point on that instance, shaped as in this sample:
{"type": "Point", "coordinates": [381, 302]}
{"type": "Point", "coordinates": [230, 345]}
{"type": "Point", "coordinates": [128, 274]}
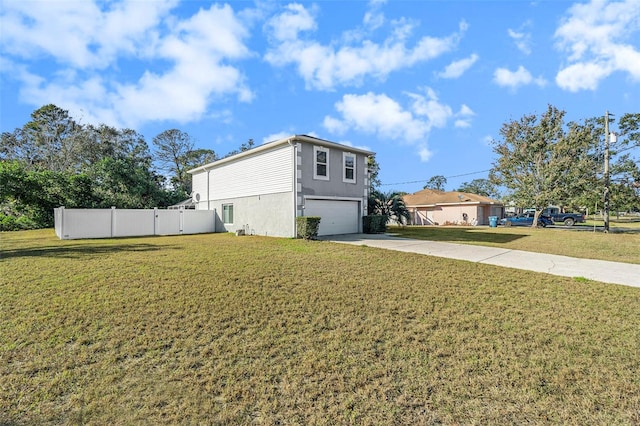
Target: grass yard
{"type": "Point", "coordinates": [219, 329]}
{"type": "Point", "coordinates": [616, 247]}
{"type": "Point", "coordinates": [615, 223]}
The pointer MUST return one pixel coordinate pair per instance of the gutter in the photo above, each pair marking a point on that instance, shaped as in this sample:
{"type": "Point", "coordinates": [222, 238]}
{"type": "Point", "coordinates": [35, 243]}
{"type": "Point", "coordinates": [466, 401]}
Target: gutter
{"type": "Point", "coordinates": [270, 145]}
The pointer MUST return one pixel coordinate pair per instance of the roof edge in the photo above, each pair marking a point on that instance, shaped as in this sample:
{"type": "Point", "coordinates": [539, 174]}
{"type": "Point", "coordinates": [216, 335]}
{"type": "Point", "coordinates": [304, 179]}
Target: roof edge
{"type": "Point", "coordinates": [272, 144]}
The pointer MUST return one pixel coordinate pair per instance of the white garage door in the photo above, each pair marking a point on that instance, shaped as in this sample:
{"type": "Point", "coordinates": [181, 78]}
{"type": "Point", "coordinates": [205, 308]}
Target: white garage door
{"type": "Point", "coordinates": [338, 217]}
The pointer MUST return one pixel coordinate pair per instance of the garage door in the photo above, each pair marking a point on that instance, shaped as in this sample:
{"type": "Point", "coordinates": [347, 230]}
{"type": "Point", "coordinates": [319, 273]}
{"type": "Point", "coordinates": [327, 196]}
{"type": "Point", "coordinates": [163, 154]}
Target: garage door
{"type": "Point", "coordinates": [338, 217]}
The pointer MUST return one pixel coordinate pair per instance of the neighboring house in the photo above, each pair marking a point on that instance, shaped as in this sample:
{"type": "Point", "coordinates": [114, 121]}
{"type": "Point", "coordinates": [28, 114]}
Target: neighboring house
{"type": "Point", "coordinates": [186, 204]}
{"type": "Point", "coordinates": [264, 189]}
{"type": "Point", "coordinates": [432, 207]}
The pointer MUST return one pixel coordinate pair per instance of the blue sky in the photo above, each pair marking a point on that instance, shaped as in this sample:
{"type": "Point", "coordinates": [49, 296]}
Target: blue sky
{"type": "Point", "coordinates": [425, 84]}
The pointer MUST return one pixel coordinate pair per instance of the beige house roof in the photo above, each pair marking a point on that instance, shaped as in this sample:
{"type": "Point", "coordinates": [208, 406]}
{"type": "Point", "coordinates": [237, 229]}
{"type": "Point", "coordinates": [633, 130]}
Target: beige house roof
{"type": "Point", "coordinates": [432, 197]}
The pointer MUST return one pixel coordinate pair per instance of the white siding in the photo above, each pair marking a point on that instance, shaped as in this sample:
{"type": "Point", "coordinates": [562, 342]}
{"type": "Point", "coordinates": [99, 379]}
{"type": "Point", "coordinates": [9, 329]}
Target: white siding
{"type": "Point", "coordinates": [267, 173]}
{"type": "Point", "coordinates": [199, 185]}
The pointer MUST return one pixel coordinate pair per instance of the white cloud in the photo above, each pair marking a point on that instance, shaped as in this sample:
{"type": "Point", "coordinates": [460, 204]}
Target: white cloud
{"type": "Point", "coordinates": [596, 37]}
{"type": "Point", "coordinates": [78, 33]}
{"type": "Point", "coordinates": [293, 20]}
{"type": "Point", "coordinates": [428, 106]}
{"type": "Point", "coordinates": [325, 67]}
{"type": "Point", "coordinates": [277, 136]}
{"type": "Point", "coordinates": [522, 39]}
{"type": "Point", "coordinates": [464, 116]}
{"type": "Point", "coordinates": [373, 18]}
{"type": "Point", "coordinates": [380, 115]}
{"type": "Point", "coordinates": [457, 68]}
{"type": "Point", "coordinates": [424, 153]}
{"type": "Point", "coordinates": [514, 79]}
{"type": "Point", "coordinates": [335, 126]}
{"type": "Point", "coordinates": [388, 120]}
{"type": "Point", "coordinates": [192, 58]}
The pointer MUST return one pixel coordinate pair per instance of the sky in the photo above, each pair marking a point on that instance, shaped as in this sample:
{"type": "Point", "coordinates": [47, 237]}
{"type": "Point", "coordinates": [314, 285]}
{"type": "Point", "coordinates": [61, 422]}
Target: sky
{"type": "Point", "coordinates": [427, 85]}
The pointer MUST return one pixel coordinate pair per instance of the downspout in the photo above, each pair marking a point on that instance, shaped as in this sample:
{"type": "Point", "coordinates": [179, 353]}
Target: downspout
{"type": "Point", "coordinates": [294, 147]}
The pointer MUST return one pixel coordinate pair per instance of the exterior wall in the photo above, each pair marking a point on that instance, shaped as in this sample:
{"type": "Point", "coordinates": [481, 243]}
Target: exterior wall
{"type": "Point", "coordinates": [269, 189]}
{"type": "Point", "coordinates": [334, 188]}
{"type": "Point", "coordinates": [267, 173]}
{"type": "Point", "coordinates": [200, 189]}
{"type": "Point", "coordinates": [454, 214]}
{"type": "Point", "coordinates": [335, 185]}
{"type": "Point", "coordinates": [270, 215]}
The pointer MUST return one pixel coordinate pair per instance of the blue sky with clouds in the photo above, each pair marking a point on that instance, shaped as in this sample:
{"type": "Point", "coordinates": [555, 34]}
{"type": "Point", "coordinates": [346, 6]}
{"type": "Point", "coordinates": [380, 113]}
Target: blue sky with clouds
{"type": "Point", "coordinates": [425, 84]}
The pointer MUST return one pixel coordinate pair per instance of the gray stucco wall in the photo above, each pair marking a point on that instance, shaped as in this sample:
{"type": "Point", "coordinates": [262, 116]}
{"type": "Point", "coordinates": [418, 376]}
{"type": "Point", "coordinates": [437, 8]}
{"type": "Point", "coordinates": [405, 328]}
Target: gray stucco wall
{"type": "Point", "coordinates": [271, 215]}
{"type": "Point", "coordinates": [335, 186]}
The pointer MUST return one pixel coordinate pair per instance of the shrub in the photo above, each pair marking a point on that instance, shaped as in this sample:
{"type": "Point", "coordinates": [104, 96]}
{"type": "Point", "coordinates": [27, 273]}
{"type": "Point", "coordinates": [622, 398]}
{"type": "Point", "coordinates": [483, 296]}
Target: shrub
{"type": "Point", "coordinates": [307, 227]}
{"type": "Point", "coordinates": [9, 222]}
{"type": "Point", "coordinates": [374, 224]}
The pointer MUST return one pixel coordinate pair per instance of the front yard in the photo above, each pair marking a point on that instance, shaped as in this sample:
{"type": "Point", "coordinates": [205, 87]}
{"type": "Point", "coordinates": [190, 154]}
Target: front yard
{"type": "Point", "coordinates": [219, 329]}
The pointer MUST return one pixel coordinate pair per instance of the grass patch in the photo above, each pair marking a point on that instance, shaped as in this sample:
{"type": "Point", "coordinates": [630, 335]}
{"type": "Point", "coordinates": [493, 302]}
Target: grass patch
{"type": "Point", "coordinates": [241, 330]}
{"type": "Point", "coordinates": [616, 247]}
{"type": "Point", "coordinates": [622, 223]}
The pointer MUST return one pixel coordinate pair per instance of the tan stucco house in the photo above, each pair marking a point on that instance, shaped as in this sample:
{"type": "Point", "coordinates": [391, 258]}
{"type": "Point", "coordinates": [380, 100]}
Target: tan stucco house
{"type": "Point", "coordinates": [432, 207]}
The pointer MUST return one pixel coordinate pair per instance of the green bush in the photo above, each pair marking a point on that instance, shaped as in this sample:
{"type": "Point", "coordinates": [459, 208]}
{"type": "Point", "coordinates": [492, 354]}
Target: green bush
{"type": "Point", "coordinates": [10, 222]}
{"type": "Point", "coordinates": [374, 224]}
{"type": "Point", "coordinates": [307, 227]}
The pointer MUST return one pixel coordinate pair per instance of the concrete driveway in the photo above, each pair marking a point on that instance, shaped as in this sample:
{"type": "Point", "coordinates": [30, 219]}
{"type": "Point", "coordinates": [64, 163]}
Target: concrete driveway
{"type": "Point", "coordinates": [597, 270]}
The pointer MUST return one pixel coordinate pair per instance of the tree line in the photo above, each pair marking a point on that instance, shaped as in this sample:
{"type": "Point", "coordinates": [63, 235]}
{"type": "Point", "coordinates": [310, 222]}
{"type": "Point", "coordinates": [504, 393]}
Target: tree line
{"type": "Point", "coordinates": [543, 160]}
{"type": "Point", "coordinates": [53, 160]}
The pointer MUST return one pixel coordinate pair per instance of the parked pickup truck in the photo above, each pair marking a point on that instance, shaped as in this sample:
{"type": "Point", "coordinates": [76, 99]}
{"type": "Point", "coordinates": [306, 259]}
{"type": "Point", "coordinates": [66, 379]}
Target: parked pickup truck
{"type": "Point", "coordinates": [567, 218]}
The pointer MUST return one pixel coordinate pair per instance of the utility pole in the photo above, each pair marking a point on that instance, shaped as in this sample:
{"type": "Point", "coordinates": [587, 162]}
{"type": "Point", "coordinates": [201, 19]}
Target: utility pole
{"type": "Point", "coordinates": [606, 171]}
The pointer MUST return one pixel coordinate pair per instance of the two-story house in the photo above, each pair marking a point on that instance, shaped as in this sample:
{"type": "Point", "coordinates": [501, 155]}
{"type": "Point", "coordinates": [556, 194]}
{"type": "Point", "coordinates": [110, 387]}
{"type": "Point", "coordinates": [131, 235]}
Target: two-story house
{"type": "Point", "coordinates": [263, 190]}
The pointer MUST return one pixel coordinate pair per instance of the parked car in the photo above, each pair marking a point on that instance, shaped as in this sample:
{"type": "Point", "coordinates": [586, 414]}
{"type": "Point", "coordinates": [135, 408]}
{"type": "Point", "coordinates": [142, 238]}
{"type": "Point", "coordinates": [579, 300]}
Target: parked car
{"type": "Point", "coordinates": [554, 213]}
{"type": "Point", "coordinates": [525, 219]}
{"type": "Point", "coordinates": [567, 218]}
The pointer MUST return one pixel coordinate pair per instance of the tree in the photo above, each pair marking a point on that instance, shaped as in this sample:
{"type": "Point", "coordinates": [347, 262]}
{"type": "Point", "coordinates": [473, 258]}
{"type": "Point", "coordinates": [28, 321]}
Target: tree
{"type": "Point", "coordinates": [624, 188]}
{"type": "Point", "coordinates": [625, 170]}
{"type": "Point", "coordinates": [540, 163]}
{"type": "Point", "coordinates": [28, 197]}
{"type": "Point", "coordinates": [198, 157]}
{"type": "Point", "coordinates": [125, 183]}
{"type": "Point", "coordinates": [53, 161]}
{"type": "Point", "coordinates": [244, 147]}
{"type": "Point", "coordinates": [437, 182]}
{"type": "Point", "coordinates": [175, 155]}
{"type": "Point", "coordinates": [51, 140]}
{"type": "Point", "coordinates": [482, 187]}
{"type": "Point", "coordinates": [389, 204]}
{"type": "Point", "coordinates": [374, 170]}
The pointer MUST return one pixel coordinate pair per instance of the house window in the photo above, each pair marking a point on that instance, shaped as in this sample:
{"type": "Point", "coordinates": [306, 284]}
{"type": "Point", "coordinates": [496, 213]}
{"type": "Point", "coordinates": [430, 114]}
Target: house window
{"type": "Point", "coordinates": [348, 167]}
{"type": "Point", "coordinates": [320, 163]}
{"type": "Point", "coordinates": [227, 213]}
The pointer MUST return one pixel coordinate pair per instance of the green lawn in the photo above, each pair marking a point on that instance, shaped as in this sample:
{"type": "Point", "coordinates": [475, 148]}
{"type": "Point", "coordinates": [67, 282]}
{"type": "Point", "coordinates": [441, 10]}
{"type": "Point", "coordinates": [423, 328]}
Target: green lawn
{"type": "Point", "coordinates": [614, 246]}
{"type": "Point", "coordinates": [219, 329]}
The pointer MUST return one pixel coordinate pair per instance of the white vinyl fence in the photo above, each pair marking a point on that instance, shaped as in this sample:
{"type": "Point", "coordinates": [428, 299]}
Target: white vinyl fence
{"type": "Point", "coordinates": [110, 223]}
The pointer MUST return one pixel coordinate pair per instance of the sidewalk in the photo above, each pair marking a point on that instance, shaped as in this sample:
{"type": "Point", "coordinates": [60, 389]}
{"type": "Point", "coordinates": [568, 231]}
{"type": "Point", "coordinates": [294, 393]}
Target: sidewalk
{"type": "Point", "coordinates": [597, 270]}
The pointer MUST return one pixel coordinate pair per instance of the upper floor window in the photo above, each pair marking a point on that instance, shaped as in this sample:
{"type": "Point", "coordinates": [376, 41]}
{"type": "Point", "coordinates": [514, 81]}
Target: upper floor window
{"type": "Point", "coordinates": [348, 167]}
{"type": "Point", "coordinates": [320, 163]}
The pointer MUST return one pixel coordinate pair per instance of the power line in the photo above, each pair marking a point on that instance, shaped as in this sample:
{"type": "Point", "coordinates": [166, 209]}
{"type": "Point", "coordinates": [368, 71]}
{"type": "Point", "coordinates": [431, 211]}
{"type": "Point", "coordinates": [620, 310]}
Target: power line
{"type": "Point", "coordinates": [427, 180]}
